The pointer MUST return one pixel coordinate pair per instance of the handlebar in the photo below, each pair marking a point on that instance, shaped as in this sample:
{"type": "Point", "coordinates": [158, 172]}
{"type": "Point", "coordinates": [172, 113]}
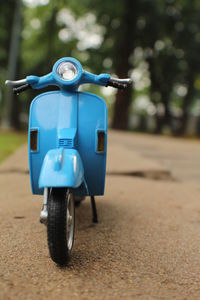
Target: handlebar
{"type": "Point", "coordinates": [18, 86]}
{"type": "Point", "coordinates": [16, 83]}
{"type": "Point", "coordinates": [121, 84]}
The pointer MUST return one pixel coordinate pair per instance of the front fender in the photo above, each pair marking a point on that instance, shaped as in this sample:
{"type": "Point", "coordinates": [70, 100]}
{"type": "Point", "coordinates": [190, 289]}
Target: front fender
{"type": "Point", "coordinates": [62, 168]}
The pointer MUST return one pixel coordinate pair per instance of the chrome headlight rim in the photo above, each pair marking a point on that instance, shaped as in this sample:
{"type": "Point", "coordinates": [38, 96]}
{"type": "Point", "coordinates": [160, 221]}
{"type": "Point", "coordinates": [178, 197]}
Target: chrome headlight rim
{"type": "Point", "coordinates": [70, 61]}
{"type": "Point", "coordinates": [67, 71]}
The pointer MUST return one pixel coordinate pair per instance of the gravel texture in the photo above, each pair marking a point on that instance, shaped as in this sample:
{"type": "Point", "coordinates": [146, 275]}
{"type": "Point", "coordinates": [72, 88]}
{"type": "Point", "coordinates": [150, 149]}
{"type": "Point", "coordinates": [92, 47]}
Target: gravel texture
{"type": "Point", "coordinates": [146, 245]}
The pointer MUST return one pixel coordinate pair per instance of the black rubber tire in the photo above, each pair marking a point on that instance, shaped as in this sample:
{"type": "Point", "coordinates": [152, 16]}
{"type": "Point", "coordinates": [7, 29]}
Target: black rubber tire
{"type": "Point", "coordinates": [56, 226]}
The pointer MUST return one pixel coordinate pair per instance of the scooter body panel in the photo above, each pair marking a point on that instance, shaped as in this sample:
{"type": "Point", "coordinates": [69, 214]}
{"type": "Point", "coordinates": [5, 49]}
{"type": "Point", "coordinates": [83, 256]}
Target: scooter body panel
{"type": "Point", "coordinates": [61, 167]}
{"type": "Point", "coordinates": [68, 120]}
{"type": "Point", "coordinates": [92, 122]}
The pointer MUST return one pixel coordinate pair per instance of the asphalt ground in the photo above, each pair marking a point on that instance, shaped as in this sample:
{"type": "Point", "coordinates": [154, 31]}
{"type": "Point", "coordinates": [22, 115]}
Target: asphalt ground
{"type": "Point", "coordinates": [147, 242]}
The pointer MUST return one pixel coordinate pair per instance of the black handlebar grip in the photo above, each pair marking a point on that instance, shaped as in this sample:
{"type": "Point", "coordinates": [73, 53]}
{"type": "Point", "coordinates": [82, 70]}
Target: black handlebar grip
{"type": "Point", "coordinates": [22, 88]}
{"type": "Point", "coordinates": [117, 84]}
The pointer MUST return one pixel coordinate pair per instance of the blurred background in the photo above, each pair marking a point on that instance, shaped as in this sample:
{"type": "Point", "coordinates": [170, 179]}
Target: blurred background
{"type": "Point", "coordinates": [155, 42]}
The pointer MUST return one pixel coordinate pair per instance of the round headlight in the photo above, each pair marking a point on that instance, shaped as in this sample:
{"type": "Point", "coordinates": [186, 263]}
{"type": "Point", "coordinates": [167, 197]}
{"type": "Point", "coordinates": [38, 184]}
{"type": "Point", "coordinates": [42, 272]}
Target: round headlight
{"type": "Point", "coordinates": [67, 71]}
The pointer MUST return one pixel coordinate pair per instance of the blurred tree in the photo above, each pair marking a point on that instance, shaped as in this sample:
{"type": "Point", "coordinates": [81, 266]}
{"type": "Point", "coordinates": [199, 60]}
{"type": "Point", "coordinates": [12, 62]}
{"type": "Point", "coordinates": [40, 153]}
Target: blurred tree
{"type": "Point", "coordinates": [123, 48]}
{"type": "Point", "coordinates": [114, 55]}
{"type": "Point", "coordinates": [187, 40]}
{"type": "Point", "coordinates": [104, 38]}
{"type": "Point", "coordinates": [41, 44]}
{"type": "Point", "coordinates": [11, 109]}
{"type": "Point", "coordinates": [172, 42]}
{"type": "Point", "coordinates": [155, 38]}
{"type": "Point", "coordinates": [6, 19]}
{"type": "Point", "coordinates": [120, 36]}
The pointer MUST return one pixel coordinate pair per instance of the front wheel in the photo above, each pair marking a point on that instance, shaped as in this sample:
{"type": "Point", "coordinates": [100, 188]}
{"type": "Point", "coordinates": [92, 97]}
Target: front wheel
{"type": "Point", "coordinates": [60, 225]}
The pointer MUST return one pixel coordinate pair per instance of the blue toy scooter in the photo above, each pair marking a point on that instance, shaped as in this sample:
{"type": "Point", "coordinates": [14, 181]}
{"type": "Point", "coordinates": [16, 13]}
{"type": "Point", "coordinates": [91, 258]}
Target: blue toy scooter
{"type": "Point", "coordinates": [67, 147]}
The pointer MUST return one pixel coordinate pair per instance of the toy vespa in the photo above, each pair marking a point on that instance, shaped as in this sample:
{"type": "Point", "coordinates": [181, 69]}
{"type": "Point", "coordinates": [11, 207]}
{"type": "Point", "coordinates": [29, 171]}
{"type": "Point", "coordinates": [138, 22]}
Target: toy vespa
{"type": "Point", "coordinates": [67, 147]}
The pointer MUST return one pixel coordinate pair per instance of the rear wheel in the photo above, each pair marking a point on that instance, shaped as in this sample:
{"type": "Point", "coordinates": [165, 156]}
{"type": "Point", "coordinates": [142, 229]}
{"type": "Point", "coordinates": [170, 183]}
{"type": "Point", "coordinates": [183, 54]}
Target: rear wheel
{"type": "Point", "coordinates": [60, 225]}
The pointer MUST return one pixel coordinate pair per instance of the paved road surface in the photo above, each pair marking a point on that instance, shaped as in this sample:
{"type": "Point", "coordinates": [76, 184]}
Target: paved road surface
{"type": "Point", "coordinates": [146, 246]}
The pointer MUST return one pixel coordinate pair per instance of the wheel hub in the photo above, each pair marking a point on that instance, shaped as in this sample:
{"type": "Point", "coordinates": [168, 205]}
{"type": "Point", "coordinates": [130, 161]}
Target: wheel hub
{"type": "Point", "coordinates": [70, 220]}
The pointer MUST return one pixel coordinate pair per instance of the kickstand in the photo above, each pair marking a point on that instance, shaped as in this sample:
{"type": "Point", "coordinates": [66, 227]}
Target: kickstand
{"type": "Point", "coordinates": [94, 210]}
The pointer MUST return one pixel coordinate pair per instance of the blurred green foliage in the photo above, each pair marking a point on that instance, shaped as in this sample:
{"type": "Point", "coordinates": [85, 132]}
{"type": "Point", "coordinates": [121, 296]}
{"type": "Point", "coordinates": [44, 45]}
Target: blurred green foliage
{"type": "Point", "coordinates": [9, 142]}
{"type": "Point", "coordinates": [156, 42]}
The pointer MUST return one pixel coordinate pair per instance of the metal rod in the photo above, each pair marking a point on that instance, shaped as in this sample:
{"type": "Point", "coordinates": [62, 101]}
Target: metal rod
{"type": "Point", "coordinates": [94, 210]}
{"type": "Point", "coordinates": [44, 211]}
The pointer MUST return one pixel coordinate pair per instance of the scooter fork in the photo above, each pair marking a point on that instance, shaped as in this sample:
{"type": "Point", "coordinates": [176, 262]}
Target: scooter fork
{"type": "Point", "coordinates": [44, 212]}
